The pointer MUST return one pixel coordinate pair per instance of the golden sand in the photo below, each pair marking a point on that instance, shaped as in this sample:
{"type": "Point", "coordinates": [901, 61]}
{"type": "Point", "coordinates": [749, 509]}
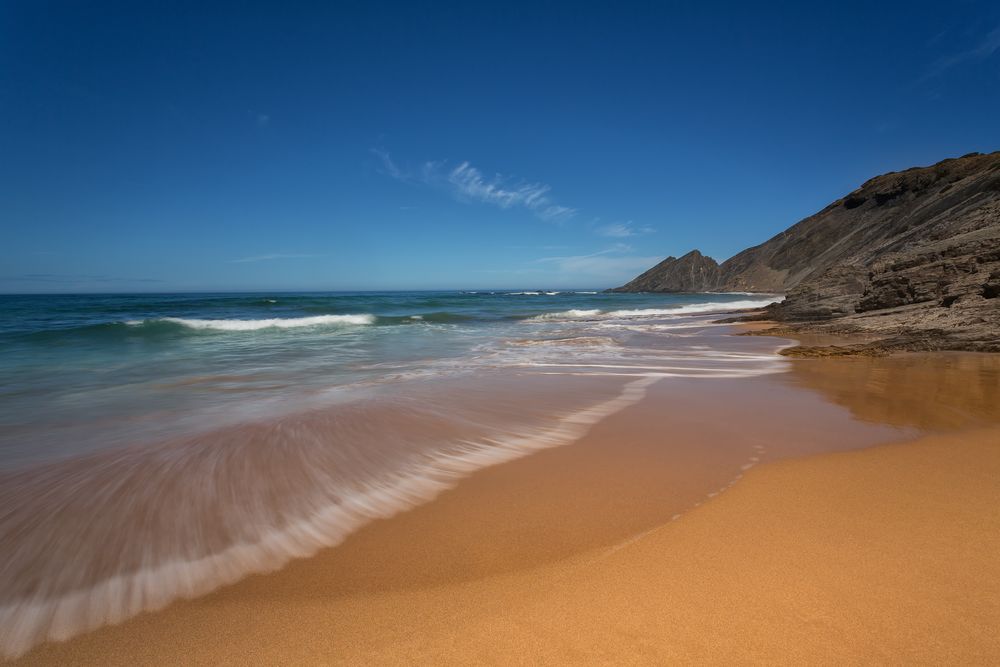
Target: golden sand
{"type": "Point", "coordinates": [884, 554]}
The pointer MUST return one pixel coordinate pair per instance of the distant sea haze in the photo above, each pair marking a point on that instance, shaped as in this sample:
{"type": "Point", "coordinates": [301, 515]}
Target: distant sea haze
{"type": "Point", "coordinates": [175, 443]}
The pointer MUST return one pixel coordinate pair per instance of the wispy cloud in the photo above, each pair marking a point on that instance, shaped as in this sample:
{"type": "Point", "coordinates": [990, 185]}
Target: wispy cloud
{"type": "Point", "coordinates": [615, 249]}
{"type": "Point", "coordinates": [467, 183]}
{"type": "Point", "coordinates": [986, 48]}
{"type": "Point", "coordinates": [610, 264]}
{"type": "Point", "coordinates": [620, 230]}
{"type": "Point", "coordinates": [388, 167]}
{"type": "Point", "coordinates": [265, 258]}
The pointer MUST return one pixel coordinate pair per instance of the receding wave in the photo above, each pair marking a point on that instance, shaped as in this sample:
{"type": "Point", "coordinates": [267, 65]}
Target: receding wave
{"type": "Point", "coordinates": [574, 341]}
{"type": "Point", "coordinates": [574, 314]}
{"type": "Point", "coordinates": [687, 309]}
{"type": "Point", "coordinates": [694, 308]}
{"type": "Point", "coordinates": [148, 525]}
{"type": "Point", "coordinates": [231, 489]}
{"type": "Point", "coordinates": [269, 323]}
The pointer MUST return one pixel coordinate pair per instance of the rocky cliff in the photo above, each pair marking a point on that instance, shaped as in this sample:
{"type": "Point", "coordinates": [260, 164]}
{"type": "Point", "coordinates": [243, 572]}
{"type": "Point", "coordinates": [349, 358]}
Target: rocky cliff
{"type": "Point", "coordinates": [691, 273]}
{"type": "Point", "coordinates": [907, 253]}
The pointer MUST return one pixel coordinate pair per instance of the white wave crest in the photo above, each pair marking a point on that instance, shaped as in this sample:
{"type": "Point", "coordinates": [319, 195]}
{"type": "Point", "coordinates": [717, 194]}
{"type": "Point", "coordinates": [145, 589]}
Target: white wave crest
{"type": "Point", "coordinates": [692, 308]}
{"type": "Point", "coordinates": [270, 323]}
{"type": "Point", "coordinates": [688, 309]}
{"type": "Point", "coordinates": [574, 314]}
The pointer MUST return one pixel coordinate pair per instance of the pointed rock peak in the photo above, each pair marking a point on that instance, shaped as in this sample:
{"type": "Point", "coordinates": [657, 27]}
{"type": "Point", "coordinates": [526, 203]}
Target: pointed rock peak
{"type": "Point", "coordinates": [695, 255]}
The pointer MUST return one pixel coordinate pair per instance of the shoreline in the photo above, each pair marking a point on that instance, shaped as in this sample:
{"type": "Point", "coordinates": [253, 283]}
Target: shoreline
{"type": "Point", "coordinates": [458, 579]}
{"type": "Point", "coordinates": [859, 336]}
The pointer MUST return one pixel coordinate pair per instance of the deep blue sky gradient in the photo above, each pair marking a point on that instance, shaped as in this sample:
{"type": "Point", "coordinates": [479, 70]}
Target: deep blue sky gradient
{"type": "Point", "coordinates": [170, 146]}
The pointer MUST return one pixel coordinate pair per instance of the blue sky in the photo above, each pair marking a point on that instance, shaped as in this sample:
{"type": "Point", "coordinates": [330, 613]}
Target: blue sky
{"type": "Point", "coordinates": [169, 146]}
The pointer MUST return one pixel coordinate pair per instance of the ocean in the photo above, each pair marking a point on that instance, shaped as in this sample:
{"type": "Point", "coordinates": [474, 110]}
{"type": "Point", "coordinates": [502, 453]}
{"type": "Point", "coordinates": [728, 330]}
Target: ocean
{"type": "Point", "coordinates": [154, 447]}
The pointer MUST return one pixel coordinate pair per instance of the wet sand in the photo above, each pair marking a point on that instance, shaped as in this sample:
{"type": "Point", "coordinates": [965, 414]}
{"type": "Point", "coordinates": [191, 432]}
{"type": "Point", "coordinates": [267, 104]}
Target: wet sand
{"type": "Point", "coordinates": [762, 519]}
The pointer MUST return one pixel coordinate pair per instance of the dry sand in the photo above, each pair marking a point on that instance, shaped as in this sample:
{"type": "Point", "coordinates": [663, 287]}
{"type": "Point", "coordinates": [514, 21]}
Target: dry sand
{"type": "Point", "coordinates": [887, 553]}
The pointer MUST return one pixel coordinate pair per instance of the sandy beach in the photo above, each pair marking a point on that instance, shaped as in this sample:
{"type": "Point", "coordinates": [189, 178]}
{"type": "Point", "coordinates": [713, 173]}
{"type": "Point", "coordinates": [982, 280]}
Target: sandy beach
{"type": "Point", "coordinates": [387, 333]}
{"type": "Point", "coordinates": [843, 512]}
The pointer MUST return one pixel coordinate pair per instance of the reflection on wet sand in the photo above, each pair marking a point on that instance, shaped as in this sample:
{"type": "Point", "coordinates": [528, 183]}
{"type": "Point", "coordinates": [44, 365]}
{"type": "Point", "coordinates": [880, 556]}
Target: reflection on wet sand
{"type": "Point", "coordinates": [928, 391]}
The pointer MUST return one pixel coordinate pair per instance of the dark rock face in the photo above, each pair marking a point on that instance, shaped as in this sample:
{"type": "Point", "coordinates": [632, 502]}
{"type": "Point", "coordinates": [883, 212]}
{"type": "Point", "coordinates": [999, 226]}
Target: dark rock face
{"type": "Point", "coordinates": [991, 288]}
{"type": "Point", "coordinates": [944, 275]}
{"type": "Point", "coordinates": [917, 250]}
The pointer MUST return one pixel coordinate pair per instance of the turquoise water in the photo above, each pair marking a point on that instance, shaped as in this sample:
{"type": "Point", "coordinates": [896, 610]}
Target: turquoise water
{"type": "Point", "coordinates": [159, 446]}
{"type": "Point", "coordinates": [79, 372]}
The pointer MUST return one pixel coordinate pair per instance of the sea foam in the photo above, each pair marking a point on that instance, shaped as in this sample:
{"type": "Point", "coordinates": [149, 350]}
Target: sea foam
{"type": "Point", "coordinates": [694, 308]}
{"type": "Point", "coordinates": [162, 520]}
{"type": "Point", "coordinates": [269, 323]}
{"type": "Point", "coordinates": [326, 515]}
{"type": "Point", "coordinates": [575, 314]}
{"type": "Point", "coordinates": [687, 309]}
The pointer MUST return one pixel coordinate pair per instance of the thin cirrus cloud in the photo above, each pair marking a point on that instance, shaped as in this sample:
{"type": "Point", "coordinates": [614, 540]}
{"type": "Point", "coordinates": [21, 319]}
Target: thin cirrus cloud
{"type": "Point", "coordinates": [266, 258]}
{"type": "Point", "coordinates": [612, 263]}
{"type": "Point", "coordinates": [983, 50]}
{"type": "Point", "coordinates": [467, 183]}
{"type": "Point", "coordinates": [621, 230]}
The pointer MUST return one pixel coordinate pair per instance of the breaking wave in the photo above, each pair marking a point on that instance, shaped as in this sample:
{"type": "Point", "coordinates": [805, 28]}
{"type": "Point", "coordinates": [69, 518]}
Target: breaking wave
{"type": "Point", "coordinates": [695, 308]}
{"type": "Point", "coordinates": [575, 314]}
{"type": "Point", "coordinates": [688, 309]}
{"type": "Point", "coordinates": [256, 325]}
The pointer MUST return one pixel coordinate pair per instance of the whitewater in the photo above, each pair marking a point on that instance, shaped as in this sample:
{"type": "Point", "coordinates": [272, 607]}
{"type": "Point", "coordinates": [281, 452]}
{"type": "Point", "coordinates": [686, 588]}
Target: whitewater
{"type": "Point", "coordinates": [156, 447]}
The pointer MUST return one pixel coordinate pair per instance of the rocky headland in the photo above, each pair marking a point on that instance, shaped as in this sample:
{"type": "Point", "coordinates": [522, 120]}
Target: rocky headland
{"type": "Point", "coordinates": [911, 259]}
